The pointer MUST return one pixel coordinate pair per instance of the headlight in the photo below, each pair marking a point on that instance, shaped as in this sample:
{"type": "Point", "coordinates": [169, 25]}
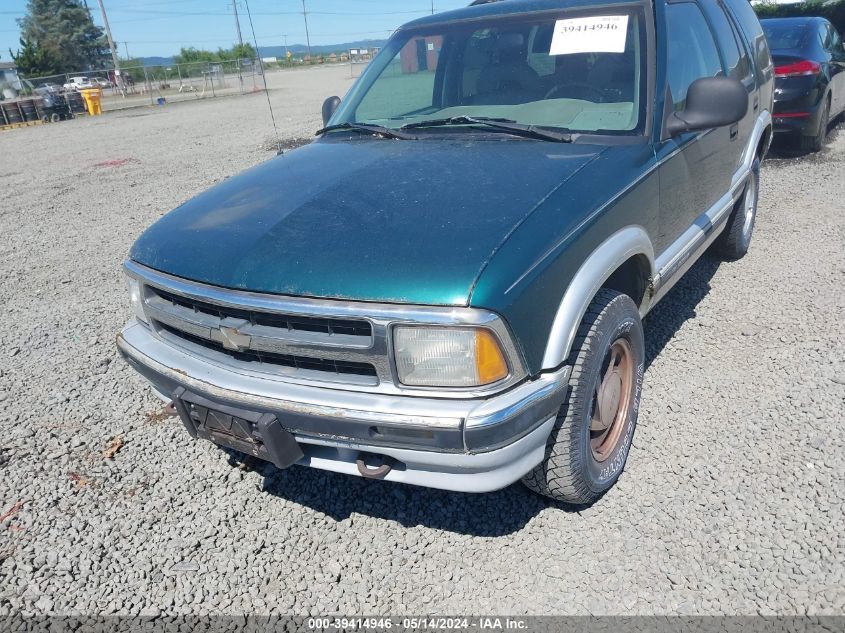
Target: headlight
{"type": "Point", "coordinates": [135, 299]}
{"type": "Point", "coordinates": [448, 357]}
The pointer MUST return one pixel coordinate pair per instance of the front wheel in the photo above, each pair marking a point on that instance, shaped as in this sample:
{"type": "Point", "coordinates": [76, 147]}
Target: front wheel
{"type": "Point", "coordinates": [589, 444]}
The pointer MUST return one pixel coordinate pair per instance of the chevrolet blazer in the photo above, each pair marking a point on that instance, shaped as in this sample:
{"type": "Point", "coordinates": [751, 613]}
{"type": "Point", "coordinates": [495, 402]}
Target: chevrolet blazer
{"type": "Point", "coordinates": [446, 287]}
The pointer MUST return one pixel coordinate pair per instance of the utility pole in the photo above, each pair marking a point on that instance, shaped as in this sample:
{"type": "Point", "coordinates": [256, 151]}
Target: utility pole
{"type": "Point", "coordinates": [238, 23]}
{"type": "Point", "coordinates": [126, 46]}
{"type": "Point", "coordinates": [114, 59]}
{"type": "Point", "coordinates": [286, 46]}
{"type": "Point", "coordinates": [307, 35]}
{"type": "Point", "coordinates": [432, 7]}
{"type": "Point", "coordinates": [240, 43]}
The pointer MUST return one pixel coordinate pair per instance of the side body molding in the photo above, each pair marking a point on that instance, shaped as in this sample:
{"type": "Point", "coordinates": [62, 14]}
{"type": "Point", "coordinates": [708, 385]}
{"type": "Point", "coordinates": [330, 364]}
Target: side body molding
{"type": "Point", "coordinates": [599, 266]}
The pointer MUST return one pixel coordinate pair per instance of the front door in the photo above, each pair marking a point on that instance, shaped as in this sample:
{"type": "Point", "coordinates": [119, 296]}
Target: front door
{"type": "Point", "coordinates": [697, 167]}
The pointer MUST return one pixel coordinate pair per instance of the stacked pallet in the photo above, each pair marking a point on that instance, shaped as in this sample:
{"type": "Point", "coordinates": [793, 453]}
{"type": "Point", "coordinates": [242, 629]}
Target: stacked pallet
{"type": "Point", "coordinates": [20, 113]}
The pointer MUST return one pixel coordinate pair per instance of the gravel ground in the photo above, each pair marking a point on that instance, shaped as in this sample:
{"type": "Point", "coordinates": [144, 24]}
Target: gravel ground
{"type": "Point", "coordinates": [732, 501]}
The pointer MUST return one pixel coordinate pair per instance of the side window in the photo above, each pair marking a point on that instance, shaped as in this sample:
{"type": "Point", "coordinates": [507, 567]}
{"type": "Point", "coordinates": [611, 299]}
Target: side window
{"type": "Point", "coordinates": [745, 69]}
{"type": "Point", "coordinates": [831, 43]}
{"type": "Point", "coordinates": [750, 27]}
{"type": "Point", "coordinates": [824, 37]}
{"type": "Point", "coordinates": [692, 50]}
{"type": "Point", "coordinates": [411, 82]}
{"type": "Point", "coordinates": [836, 41]}
{"type": "Point", "coordinates": [736, 57]}
{"type": "Point", "coordinates": [539, 42]}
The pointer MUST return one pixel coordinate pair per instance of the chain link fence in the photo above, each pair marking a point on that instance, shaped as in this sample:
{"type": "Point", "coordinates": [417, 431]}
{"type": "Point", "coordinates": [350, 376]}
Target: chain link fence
{"type": "Point", "coordinates": [151, 85]}
{"type": "Point", "coordinates": [359, 59]}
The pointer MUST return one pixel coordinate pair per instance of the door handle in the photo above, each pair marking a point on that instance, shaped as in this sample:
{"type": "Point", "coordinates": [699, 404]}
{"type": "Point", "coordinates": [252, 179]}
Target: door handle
{"type": "Point", "coordinates": [756, 103]}
{"type": "Point", "coordinates": [734, 131]}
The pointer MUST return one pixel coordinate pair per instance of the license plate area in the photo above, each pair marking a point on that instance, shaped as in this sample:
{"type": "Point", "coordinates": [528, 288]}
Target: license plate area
{"type": "Point", "coordinates": [251, 432]}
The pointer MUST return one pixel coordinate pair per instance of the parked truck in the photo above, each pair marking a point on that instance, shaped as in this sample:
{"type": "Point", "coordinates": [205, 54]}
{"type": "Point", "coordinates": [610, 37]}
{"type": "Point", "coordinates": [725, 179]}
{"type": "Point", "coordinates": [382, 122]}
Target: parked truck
{"type": "Point", "coordinates": [446, 288]}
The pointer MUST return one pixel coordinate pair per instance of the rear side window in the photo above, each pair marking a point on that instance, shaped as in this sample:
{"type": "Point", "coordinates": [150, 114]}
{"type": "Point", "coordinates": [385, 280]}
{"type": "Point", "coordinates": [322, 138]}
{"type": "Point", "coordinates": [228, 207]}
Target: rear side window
{"type": "Point", "coordinates": [824, 37]}
{"type": "Point", "coordinates": [692, 50]}
{"type": "Point", "coordinates": [736, 57]}
{"type": "Point", "coordinates": [836, 40]}
{"type": "Point", "coordinates": [750, 26]}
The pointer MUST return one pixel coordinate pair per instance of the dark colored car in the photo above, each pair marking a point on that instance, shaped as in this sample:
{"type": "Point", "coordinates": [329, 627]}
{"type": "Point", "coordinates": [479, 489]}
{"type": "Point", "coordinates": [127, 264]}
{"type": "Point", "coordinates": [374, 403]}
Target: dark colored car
{"type": "Point", "coordinates": [809, 60]}
{"type": "Point", "coordinates": [446, 288]}
{"type": "Point", "coordinates": [55, 108]}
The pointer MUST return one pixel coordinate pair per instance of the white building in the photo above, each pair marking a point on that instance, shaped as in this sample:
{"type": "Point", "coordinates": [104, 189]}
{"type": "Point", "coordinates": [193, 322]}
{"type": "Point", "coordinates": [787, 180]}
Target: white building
{"type": "Point", "coordinates": [9, 75]}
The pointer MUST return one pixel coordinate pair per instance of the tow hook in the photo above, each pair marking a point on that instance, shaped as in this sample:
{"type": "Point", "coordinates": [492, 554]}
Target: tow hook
{"type": "Point", "coordinates": [374, 472]}
{"type": "Point", "coordinates": [170, 411]}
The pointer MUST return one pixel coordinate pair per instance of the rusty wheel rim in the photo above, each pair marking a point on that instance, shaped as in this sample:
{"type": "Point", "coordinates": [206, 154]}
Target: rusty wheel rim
{"type": "Point", "coordinates": [611, 400]}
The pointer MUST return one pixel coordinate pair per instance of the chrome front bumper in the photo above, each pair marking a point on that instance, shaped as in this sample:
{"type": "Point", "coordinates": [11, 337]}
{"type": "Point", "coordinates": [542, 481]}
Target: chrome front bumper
{"type": "Point", "coordinates": [471, 445]}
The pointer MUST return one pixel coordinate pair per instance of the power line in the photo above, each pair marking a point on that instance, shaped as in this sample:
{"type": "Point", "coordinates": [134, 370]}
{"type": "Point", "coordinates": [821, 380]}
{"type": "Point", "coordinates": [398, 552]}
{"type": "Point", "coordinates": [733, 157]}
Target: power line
{"type": "Point", "coordinates": [212, 13]}
{"type": "Point", "coordinates": [223, 40]}
{"type": "Point", "coordinates": [172, 10]}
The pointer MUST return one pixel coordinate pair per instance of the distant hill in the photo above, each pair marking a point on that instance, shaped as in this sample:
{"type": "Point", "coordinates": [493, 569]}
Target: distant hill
{"type": "Point", "coordinates": [157, 61]}
{"type": "Point", "coordinates": [279, 51]}
{"type": "Point", "coordinates": [298, 49]}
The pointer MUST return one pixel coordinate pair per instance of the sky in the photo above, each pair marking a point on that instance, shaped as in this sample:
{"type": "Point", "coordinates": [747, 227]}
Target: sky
{"type": "Point", "coordinates": [160, 27]}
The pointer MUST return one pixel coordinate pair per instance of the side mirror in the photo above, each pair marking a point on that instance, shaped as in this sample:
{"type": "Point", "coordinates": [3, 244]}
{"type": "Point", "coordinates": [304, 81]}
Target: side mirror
{"type": "Point", "coordinates": [711, 102]}
{"type": "Point", "coordinates": [330, 106]}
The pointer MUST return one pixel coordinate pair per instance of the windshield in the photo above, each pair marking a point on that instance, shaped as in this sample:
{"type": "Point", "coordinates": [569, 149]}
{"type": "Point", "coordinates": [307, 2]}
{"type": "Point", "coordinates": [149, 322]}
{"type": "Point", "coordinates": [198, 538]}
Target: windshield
{"type": "Point", "coordinates": [580, 72]}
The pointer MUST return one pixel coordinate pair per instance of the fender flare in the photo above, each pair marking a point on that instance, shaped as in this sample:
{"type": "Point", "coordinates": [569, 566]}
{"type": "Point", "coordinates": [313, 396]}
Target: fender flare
{"type": "Point", "coordinates": [598, 267]}
{"type": "Point", "coordinates": [763, 123]}
{"type": "Point", "coordinates": [611, 254]}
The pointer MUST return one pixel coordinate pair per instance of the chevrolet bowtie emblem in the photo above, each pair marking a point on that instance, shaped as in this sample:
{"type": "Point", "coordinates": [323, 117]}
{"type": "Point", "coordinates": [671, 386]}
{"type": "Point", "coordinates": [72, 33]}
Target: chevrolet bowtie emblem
{"type": "Point", "coordinates": [232, 339]}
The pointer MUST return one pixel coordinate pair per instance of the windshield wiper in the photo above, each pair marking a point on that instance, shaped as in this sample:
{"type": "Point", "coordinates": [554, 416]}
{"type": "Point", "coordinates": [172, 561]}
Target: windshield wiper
{"type": "Point", "coordinates": [366, 128]}
{"type": "Point", "coordinates": [508, 125]}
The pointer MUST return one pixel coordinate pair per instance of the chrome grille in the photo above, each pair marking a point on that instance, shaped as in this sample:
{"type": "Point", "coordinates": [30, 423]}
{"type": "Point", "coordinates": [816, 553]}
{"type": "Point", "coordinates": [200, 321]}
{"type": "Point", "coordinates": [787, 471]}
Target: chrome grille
{"type": "Point", "coordinates": [289, 322]}
{"type": "Point", "coordinates": [302, 340]}
{"type": "Point", "coordinates": [284, 360]}
{"type": "Point", "coordinates": [270, 342]}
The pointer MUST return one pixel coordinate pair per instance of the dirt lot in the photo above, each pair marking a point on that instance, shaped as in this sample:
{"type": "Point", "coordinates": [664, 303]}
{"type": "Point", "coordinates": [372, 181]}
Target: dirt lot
{"type": "Point", "coordinates": [732, 501]}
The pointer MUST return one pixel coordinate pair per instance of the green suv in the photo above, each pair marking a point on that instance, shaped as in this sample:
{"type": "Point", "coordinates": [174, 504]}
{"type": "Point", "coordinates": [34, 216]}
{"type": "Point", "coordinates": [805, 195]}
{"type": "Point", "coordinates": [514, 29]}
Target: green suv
{"type": "Point", "coordinates": [446, 287]}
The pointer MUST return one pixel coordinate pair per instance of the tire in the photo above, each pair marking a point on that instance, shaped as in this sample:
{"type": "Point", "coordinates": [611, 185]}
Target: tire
{"type": "Point", "coordinates": [55, 118]}
{"type": "Point", "coordinates": [813, 144]}
{"type": "Point", "coordinates": [735, 240]}
{"type": "Point", "coordinates": [582, 463]}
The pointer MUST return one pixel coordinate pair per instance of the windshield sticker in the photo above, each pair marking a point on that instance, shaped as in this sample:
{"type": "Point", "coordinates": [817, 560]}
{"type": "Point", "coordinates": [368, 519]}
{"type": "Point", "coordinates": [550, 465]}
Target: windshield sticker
{"type": "Point", "coordinates": [598, 34]}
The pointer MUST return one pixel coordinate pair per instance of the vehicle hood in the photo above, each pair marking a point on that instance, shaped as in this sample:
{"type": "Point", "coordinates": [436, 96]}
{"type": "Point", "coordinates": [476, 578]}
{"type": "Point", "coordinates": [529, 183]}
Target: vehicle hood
{"type": "Point", "coordinates": [368, 219]}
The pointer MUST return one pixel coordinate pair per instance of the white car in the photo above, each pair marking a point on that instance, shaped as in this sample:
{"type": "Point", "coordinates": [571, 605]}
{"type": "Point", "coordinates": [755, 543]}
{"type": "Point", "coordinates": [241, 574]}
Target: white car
{"type": "Point", "coordinates": [79, 83]}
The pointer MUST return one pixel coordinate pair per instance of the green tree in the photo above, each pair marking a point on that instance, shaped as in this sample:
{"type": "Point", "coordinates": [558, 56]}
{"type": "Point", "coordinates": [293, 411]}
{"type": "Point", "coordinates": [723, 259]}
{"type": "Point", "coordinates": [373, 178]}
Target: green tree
{"type": "Point", "coordinates": [193, 55]}
{"type": "Point", "coordinates": [238, 51]}
{"type": "Point", "coordinates": [66, 30]}
{"type": "Point", "coordinates": [34, 60]}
